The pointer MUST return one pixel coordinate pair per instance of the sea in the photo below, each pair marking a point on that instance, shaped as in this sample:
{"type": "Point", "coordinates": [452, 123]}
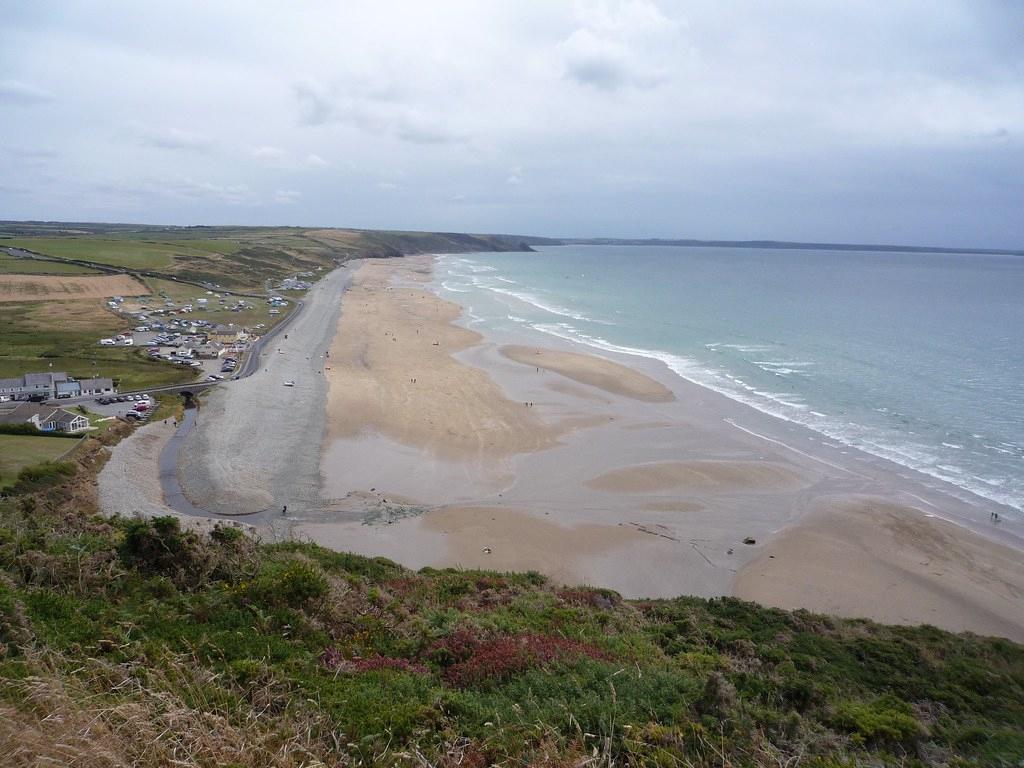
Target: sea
{"type": "Point", "coordinates": [913, 357]}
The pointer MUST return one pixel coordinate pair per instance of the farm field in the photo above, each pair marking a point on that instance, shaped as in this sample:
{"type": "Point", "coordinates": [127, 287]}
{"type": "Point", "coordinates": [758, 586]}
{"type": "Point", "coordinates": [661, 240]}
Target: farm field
{"type": "Point", "coordinates": [132, 254]}
{"type": "Point", "coordinates": [62, 336]}
{"type": "Point", "coordinates": [20, 451]}
{"type": "Point", "coordinates": [67, 287]}
{"type": "Point", "coordinates": [10, 265]}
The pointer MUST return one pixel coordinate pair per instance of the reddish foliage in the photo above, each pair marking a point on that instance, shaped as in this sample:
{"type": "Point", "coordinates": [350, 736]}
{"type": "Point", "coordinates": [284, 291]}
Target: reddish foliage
{"type": "Point", "coordinates": [593, 598]}
{"type": "Point", "coordinates": [491, 582]}
{"type": "Point", "coordinates": [403, 586]}
{"type": "Point", "coordinates": [386, 662]}
{"type": "Point", "coordinates": [455, 647]}
{"type": "Point", "coordinates": [332, 659]}
{"type": "Point", "coordinates": [472, 660]}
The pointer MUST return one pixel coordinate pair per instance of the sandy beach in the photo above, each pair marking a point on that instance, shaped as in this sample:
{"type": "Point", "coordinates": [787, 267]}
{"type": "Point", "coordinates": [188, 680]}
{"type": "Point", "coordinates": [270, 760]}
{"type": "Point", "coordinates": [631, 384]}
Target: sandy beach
{"type": "Point", "coordinates": [411, 436]}
{"type": "Point", "coordinates": [864, 556]}
{"type": "Point", "coordinates": [446, 448]}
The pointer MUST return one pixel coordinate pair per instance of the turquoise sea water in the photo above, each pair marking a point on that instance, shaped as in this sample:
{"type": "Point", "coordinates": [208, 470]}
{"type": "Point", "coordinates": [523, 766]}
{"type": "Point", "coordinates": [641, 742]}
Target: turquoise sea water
{"type": "Point", "coordinates": [917, 358]}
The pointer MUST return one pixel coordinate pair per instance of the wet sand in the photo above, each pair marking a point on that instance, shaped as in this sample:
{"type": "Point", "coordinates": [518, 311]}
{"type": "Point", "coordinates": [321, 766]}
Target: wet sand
{"type": "Point", "coordinates": [445, 448]}
{"type": "Point", "coordinates": [593, 371]}
{"type": "Point", "coordinates": [705, 475]}
{"type": "Point", "coordinates": [864, 556]}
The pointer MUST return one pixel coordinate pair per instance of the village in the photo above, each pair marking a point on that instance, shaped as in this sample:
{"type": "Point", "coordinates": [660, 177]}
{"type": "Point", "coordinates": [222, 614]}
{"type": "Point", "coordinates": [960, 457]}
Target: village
{"type": "Point", "coordinates": [164, 330]}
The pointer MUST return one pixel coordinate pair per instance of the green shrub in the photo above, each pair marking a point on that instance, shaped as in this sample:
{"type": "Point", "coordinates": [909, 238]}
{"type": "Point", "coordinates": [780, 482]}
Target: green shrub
{"type": "Point", "coordinates": [159, 547]}
{"type": "Point", "coordinates": [291, 584]}
{"type": "Point", "coordinates": [887, 719]}
{"type": "Point", "coordinates": [42, 475]}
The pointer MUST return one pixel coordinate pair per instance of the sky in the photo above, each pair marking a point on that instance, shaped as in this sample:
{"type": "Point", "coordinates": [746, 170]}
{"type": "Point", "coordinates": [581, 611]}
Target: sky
{"type": "Point", "coordinates": [822, 120]}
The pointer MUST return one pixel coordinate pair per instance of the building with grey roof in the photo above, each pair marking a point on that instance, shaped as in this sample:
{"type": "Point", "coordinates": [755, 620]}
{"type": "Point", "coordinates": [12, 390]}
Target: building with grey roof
{"type": "Point", "coordinates": [45, 418]}
{"type": "Point", "coordinates": [24, 387]}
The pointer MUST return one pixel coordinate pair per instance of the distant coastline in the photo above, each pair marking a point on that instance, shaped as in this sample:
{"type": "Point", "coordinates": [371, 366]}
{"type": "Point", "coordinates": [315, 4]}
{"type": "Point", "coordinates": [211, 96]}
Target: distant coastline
{"type": "Point", "coordinates": [406, 242]}
{"type": "Point", "coordinates": [791, 245]}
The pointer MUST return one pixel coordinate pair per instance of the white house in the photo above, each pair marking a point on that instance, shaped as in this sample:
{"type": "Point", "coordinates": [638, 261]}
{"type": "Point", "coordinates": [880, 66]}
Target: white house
{"type": "Point", "coordinates": [98, 386]}
{"type": "Point", "coordinates": [46, 418]}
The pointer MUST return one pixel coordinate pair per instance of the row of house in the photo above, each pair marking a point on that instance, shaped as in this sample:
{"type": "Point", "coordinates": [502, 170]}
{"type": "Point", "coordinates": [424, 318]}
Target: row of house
{"type": "Point", "coordinates": [45, 418]}
{"type": "Point", "coordinates": [47, 386]}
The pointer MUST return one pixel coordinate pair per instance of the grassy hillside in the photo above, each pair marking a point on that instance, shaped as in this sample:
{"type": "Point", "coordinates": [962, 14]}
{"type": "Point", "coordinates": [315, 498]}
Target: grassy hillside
{"type": "Point", "coordinates": [236, 258]}
{"type": "Point", "coordinates": [135, 643]}
{"type": "Point", "coordinates": [249, 260]}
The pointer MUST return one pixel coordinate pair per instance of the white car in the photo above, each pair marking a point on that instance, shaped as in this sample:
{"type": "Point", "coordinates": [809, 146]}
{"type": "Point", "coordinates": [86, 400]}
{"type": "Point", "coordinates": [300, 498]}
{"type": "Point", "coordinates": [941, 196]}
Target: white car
{"type": "Point", "coordinates": [289, 383]}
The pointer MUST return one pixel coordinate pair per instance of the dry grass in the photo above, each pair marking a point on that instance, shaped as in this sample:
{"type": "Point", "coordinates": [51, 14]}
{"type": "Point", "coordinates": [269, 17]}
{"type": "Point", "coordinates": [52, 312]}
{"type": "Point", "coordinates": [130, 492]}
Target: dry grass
{"type": "Point", "coordinates": [63, 288]}
{"type": "Point", "coordinates": [161, 717]}
{"type": "Point", "coordinates": [72, 316]}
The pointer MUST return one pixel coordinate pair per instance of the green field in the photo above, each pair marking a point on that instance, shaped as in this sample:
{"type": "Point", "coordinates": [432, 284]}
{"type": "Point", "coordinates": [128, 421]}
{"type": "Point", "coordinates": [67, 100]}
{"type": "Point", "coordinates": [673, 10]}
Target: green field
{"type": "Point", "coordinates": [9, 265]}
{"type": "Point", "coordinates": [234, 258]}
{"type": "Point", "coordinates": [20, 451]}
{"type": "Point", "coordinates": [244, 262]}
{"type": "Point", "coordinates": [134, 254]}
{"type": "Point", "coordinates": [63, 336]}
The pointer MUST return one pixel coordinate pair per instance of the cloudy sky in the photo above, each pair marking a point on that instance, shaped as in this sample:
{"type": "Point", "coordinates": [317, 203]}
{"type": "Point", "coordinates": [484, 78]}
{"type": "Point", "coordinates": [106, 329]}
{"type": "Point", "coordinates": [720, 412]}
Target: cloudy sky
{"type": "Point", "coordinates": [857, 120]}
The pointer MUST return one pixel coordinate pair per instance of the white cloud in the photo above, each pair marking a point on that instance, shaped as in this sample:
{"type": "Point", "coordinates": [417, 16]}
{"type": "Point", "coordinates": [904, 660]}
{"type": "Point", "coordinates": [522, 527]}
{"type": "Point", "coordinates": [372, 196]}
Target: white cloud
{"type": "Point", "coordinates": [286, 196]}
{"type": "Point", "coordinates": [620, 44]}
{"type": "Point", "coordinates": [17, 92]}
{"type": "Point", "coordinates": [173, 139]}
{"type": "Point", "coordinates": [315, 107]}
{"type": "Point", "coordinates": [269, 153]}
{"type": "Point", "coordinates": [232, 194]}
{"type": "Point", "coordinates": [379, 113]}
{"type": "Point", "coordinates": [315, 161]}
